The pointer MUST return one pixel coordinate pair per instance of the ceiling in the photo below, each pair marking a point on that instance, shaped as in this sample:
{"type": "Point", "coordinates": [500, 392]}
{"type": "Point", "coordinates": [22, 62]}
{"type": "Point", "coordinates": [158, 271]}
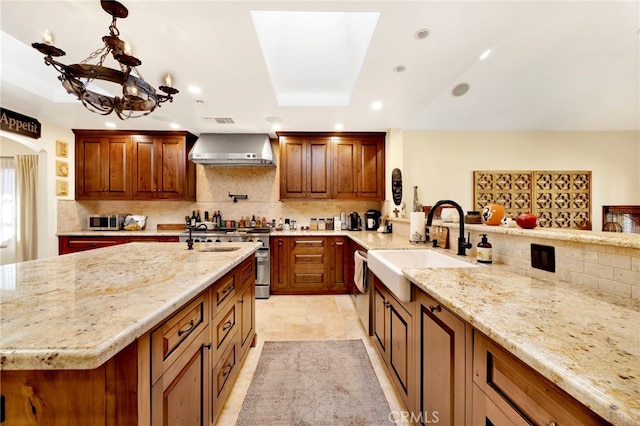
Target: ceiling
{"type": "Point", "coordinates": [571, 65]}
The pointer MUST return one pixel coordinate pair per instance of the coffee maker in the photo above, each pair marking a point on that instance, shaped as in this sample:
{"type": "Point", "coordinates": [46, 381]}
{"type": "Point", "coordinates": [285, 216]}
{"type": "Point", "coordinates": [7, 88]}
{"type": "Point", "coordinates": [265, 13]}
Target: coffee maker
{"type": "Point", "coordinates": [372, 220]}
{"type": "Point", "coordinates": [353, 224]}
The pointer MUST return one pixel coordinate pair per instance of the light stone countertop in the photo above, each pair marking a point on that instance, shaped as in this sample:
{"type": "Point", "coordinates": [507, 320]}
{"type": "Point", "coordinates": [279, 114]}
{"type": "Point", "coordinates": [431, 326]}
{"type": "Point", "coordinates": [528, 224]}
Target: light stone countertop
{"type": "Point", "coordinates": [78, 310]}
{"type": "Point", "coordinates": [584, 341]}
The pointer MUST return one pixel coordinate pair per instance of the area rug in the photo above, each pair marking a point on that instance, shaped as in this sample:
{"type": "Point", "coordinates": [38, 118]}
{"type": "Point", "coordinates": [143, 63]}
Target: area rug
{"type": "Point", "coordinates": [323, 382]}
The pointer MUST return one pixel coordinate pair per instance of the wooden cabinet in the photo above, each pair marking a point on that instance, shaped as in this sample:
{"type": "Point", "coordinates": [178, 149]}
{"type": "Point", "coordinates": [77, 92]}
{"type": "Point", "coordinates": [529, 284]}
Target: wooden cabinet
{"type": "Point", "coordinates": [309, 265]}
{"type": "Point", "coordinates": [103, 166]}
{"type": "Point", "coordinates": [180, 356]}
{"type": "Point", "coordinates": [441, 356]}
{"type": "Point", "coordinates": [331, 166]}
{"type": "Point", "coordinates": [178, 373]}
{"type": "Point", "coordinates": [161, 169]}
{"type": "Point", "coordinates": [246, 306]}
{"type": "Point", "coordinates": [305, 168]}
{"type": "Point", "coordinates": [128, 165]}
{"type": "Point", "coordinates": [339, 261]}
{"type": "Point", "coordinates": [506, 387]}
{"type": "Point", "coordinates": [279, 252]}
{"type": "Point", "coordinates": [71, 244]}
{"type": "Point", "coordinates": [393, 337]}
{"type": "Point", "coordinates": [358, 167]}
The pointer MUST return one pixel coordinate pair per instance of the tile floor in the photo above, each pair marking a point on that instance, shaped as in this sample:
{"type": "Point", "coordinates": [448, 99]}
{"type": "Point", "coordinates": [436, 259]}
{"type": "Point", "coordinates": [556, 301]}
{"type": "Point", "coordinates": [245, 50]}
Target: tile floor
{"type": "Point", "coordinates": [304, 318]}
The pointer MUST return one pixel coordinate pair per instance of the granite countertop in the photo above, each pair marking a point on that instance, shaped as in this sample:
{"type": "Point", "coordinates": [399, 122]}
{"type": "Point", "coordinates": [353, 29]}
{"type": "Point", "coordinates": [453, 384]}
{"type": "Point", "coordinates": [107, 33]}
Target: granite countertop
{"type": "Point", "coordinates": [78, 310]}
{"type": "Point", "coordinates": [584, 341]}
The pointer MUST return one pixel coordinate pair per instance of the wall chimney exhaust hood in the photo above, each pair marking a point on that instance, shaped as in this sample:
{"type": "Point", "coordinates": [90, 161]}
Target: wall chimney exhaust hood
{"type": "Point", "coordinates": [233, 149]}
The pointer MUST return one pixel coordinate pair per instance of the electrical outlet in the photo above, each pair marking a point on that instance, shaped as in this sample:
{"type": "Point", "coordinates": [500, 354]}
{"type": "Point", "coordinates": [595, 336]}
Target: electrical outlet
{"type": "Point", "coordinates": [543, 257]}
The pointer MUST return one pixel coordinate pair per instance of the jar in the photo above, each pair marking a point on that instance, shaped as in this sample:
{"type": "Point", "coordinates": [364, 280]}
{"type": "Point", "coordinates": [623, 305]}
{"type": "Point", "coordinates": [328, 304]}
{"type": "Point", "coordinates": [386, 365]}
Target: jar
{"type": "Point", "coordinates": [322, 225]}
{"type": "Point", "coordinates": [314, 224]}
{"type": "Point", "coordinates": [330, 223]}
{"type": "Point", "coordinates": [473, 217]}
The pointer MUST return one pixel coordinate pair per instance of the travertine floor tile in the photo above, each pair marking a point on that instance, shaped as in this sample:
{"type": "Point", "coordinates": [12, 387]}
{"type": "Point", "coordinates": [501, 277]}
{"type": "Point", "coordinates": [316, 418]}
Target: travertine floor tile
{"type": "Point", "coordinates": [304, 318]}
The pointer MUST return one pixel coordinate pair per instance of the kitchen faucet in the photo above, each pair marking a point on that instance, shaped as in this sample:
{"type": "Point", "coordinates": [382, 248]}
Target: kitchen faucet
{"type": "Point", "coordinates": [190, 240]}
{"type": "Point", "coordinates": [462, 243]}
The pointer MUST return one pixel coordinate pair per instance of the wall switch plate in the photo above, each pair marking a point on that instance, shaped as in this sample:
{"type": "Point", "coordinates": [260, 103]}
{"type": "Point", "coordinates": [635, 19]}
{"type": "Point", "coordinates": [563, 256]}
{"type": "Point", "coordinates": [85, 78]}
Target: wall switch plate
{"type": "Point", "coordinates": [543, 257]}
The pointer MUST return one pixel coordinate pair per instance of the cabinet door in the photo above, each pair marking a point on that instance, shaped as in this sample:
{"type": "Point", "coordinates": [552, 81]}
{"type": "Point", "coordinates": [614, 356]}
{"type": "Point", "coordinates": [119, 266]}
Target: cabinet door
{"type": "Point", "coordinates": [246, 301]}
{"type": "Point", "coordinates": [441, 362]}
{"type": "Point", "coordinates": [380, 329]}
{"type": "Point", "coordinates": [181, 395]}
{"type": "Point", "coordinates": [278, 250]}
{"type": "Point", "coordinates": [358, 168]}
{"type": "Point", "coordinates": [371, 169]}
{"type": "Point", "coordinates": [339, 266]}
{"type": "Point", "coordinates": [159, 167]}
{"type": "Point", "coordinates": [304, 168]}
{"type": "Point", "coordinates": [171, 168]}
{"type": "Point", "coordinates": [102, 167]}
{"type": "Point", "coordinates": [319, 169]}
{"type": "Point", "coordinates": [293, 167]}
{"type": "Point", "coordinates": [345, 172]}
{"type": "Point", "coordinates": [144, 167]}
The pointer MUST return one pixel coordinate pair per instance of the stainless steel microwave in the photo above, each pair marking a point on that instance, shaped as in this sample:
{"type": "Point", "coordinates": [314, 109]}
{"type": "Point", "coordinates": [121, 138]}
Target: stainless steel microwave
{"type": "Point", "coordinates": [101, 222]}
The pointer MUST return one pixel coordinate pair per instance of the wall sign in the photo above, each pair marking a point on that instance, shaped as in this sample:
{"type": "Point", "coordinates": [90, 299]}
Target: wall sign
{"type": "Point", "coordinates": [21, 124]}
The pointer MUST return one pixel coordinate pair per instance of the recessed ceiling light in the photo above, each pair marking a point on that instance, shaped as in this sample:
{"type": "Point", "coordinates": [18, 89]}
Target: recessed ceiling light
{"type": "Point", "coordinates": [460, 89]}
{"type": "Point", "coordinates": [485, 54]}
{"type": "Point", "coordinates": [422, 34]}
{"type": "Point", "coordinates": [174, 125]}
{"type": "Point", "coordinates": [399, 68]}
{"type": "Point", "coordinates": [110, 124]}
{"type": "Point", "coordinates": [194, 89]}
{"type": "Point", "coordinates": [376, 105]}
{"type": "Point", "coordinates": [338, 126]}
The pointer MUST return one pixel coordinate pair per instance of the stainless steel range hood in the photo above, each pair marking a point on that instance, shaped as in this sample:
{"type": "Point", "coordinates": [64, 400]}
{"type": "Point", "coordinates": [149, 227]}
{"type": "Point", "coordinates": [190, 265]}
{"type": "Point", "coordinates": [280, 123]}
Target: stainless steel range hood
{"type": "Point", "coordinates": [233, 149]}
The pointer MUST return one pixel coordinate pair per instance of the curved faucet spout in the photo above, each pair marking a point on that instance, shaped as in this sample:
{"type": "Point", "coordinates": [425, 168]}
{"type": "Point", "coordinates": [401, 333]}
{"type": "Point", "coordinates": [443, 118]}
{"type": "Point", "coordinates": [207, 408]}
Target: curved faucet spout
{"type": "Point", "coordinates": [463, 244]}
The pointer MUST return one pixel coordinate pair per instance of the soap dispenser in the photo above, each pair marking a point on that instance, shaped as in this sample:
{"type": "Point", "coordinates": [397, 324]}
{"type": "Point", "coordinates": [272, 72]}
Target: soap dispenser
{"type": "Point", "coordinates": [484, 253]}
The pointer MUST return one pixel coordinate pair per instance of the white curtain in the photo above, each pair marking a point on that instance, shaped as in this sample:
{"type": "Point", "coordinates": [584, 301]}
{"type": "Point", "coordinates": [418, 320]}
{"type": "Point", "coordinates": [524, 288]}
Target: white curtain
{"type": "Point", "coordinates": [27, 219]}
{"type": "Point", "coordinates": [7, 210]}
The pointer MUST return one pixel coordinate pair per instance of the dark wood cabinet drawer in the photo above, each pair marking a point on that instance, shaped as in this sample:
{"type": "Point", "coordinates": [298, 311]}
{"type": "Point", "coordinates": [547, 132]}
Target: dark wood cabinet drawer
{"type": "Point", "coordinates": [308, 243]}
{"type": "Point", "coordinates": [308, 259]}
{"type": "Point", "coordinates": [223, 293]}
{"type": "Point", "coordinates": [224, 328]}
{"type": "Point", "coordinates": [517, 390]}
{"type": "Point", "coordinates": [169, 339]}
{"type": "Point", "coordinates": [223, 376]}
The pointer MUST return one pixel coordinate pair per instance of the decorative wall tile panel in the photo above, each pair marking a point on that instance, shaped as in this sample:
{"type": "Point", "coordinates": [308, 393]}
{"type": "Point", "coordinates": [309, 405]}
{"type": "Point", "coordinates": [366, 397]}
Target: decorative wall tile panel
{"type": "Point", "coordinates": [561, 199]}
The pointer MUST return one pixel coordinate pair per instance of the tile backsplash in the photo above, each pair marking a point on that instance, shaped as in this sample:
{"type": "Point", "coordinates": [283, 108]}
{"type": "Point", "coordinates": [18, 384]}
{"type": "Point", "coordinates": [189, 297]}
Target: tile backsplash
{"type": "Point", "coordinates": [607, 268]}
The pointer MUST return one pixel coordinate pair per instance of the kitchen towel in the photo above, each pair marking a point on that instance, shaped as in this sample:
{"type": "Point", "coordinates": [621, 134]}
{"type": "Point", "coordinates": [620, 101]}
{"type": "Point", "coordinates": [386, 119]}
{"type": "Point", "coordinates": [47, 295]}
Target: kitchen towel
{"type": "Point", "coordinates": [359, 270]}
{"type": "Point", "coordinates": [416, 227]}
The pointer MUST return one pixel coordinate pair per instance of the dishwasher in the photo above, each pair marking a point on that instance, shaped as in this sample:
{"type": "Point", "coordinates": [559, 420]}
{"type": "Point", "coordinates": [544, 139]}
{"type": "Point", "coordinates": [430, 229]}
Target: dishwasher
{"type": "Point", "coordinates": [363, 301]}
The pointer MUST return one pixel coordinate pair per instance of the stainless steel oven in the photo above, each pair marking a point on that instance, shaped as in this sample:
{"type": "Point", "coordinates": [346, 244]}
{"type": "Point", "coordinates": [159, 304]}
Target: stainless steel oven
{"type": "Point", "coordinates": [262, 256]}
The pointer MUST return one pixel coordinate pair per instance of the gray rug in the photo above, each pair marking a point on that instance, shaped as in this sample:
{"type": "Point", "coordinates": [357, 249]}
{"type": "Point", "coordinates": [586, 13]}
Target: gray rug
{"type": "Point", "coordinates": [325, 382]}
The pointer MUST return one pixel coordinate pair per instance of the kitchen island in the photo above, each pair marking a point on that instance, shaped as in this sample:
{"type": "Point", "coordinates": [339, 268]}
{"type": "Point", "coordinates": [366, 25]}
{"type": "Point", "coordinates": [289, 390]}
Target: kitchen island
{"type": "Point", "coordinates": [129, 312]}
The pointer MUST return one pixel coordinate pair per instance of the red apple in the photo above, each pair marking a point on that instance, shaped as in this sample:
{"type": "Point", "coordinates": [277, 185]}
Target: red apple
{"type": "Point", "coordinates": [527, 220]}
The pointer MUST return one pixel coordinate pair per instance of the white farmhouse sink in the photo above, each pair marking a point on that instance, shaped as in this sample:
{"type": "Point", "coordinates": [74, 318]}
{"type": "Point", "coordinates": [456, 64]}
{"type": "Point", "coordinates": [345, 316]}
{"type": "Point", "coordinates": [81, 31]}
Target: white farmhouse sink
{"type": "Point", "coordinates": [388, 265]}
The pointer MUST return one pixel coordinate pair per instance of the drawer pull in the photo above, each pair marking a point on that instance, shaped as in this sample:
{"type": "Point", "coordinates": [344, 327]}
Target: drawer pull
{"type": "Point", "coordinates": [552, 423]}
{"type": "Point", "coordinates": [387, 305]}
{"type": "Point", "coordinates": [208, 346]}
{"type": "Point", "coordinates": [228, 289]}
{"type": "Point", "coordinates": [435, 308]}
{"type": "Point", "coordinates": [187, 328]}
{"type": "Point", "coordinates": [227, 325]}
{"type": "Point", "coordinates": [227, 370]}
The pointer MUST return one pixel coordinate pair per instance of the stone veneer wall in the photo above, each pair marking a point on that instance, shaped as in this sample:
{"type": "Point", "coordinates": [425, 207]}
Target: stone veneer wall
{"type": "Point", "coordinates": [607, 268]}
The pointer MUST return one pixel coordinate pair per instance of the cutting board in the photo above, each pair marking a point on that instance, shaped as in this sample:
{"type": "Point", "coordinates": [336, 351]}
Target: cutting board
{"type": "Point", "coordinates": [171, 227]}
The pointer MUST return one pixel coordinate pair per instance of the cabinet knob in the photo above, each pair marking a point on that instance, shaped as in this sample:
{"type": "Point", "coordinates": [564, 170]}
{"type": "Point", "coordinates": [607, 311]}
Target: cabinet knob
{"type": "Point", "coordinates": [552, 423]}
{"type": "Point", "coordinates": [435, 308]}
{"type": "Point", "coordinates": [387, 305]}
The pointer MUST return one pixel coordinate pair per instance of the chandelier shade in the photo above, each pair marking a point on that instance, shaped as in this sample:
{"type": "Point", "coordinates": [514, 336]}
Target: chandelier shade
{"type": "Point", "coordinates": [138, 98]}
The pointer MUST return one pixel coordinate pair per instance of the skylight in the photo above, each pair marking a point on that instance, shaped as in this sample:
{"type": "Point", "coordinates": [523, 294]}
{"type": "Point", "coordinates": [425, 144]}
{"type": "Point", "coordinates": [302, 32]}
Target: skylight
{"type": "Point", "coordinates": [314, 58]}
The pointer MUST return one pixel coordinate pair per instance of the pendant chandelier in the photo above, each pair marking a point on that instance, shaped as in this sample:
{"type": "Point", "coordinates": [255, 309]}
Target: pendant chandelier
{"type": "Point", "coordinates": [138, 98]}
